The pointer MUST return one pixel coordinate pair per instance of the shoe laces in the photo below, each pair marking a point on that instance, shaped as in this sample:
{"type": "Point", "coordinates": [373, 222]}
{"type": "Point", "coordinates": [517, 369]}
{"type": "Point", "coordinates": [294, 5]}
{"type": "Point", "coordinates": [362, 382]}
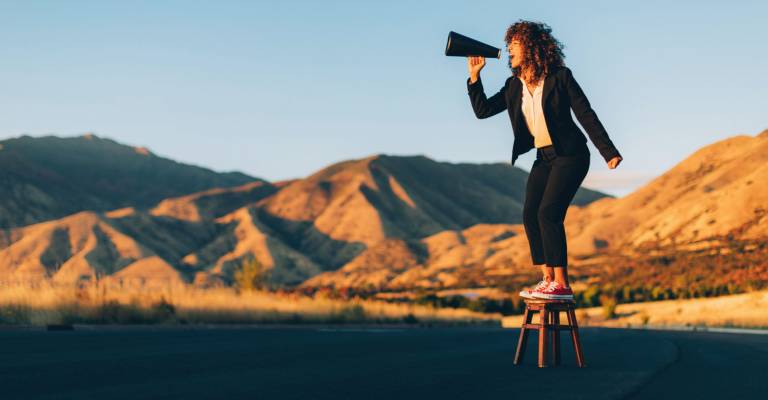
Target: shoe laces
{"type": "Point", "coordinates": [542, 285]}
{"type": "Point", "coordinates": [551, 286]}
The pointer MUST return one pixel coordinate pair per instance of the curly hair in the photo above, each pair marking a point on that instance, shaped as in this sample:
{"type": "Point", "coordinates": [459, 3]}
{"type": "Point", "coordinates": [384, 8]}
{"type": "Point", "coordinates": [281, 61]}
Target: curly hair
{"type": "Point", "coordinates": [542, 50]}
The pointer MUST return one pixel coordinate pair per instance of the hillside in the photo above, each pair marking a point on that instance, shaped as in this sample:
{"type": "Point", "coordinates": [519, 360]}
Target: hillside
{"type": "Point", "coordinates": [83, 244]}
{"type": "Point", "coordinates": [44, 178]}
{"type": "Point", "coordinates": [383, 213]}
{"type": "Point", "coordinates": [405, 222]}
{"type": "Point", "coordinates": [342, 209]}
{"type": "Point", "coordinates": [717, 192]}
{"type": "Point", "coordinates": [709, 205]}
{"type": "Point", "coordinates": [402, 222]}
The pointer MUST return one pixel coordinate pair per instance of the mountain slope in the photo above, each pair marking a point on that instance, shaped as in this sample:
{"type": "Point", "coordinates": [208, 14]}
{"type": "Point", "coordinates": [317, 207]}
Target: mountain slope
{"type": "Point", "coordinates": [717, 194]}
{"type": "Point", "coordinates": [484, 254]}
{"type": "Point", "coordinates": [386, 221]}
{"type": "Point", "coordinates": [80, 246]}
{"type": "Point", "coordinates": [338, 211]}
{"type": "Point", "coordinates": [50, 177]}
{"type": "Point", "coordinates": [718, 191]}
{"type": "Point", "coordinates": [213, 203]}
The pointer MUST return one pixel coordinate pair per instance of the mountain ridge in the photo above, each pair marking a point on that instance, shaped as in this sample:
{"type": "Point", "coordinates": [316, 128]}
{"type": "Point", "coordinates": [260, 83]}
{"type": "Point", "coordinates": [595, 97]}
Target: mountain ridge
{"type": "Point", "coordinates": [49, 177]}
{"type": "Point", "coordinates": [297, 228]}
{"type": "Point", "coordinates": [387, 222]}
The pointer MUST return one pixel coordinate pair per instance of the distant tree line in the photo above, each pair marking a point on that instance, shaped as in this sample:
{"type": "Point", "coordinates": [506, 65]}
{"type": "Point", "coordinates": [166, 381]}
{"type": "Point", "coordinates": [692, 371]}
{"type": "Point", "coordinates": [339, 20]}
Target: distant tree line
{"type": "Point", "coordinates": [665, 274]}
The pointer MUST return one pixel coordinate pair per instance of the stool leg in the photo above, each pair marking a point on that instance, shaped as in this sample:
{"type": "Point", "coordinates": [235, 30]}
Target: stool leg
{"type": "Point", "coordinates": [543, 319]}
{"type": "Point", "coordinates": [527, 317]}
{"type": "Point", "coordinates": [556, 337]}
{"type": "Point", "coordinates": [575, 335]}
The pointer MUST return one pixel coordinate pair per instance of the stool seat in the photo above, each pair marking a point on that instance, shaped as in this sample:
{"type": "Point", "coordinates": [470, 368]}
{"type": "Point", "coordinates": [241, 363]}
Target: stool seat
{"type": "Point", "coordinates": [549, 327]}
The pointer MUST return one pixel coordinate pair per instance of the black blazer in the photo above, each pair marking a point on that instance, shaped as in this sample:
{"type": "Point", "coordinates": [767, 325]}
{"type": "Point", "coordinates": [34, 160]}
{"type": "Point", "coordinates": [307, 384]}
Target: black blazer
{"type": "Point", "coordinates": [561, 92]}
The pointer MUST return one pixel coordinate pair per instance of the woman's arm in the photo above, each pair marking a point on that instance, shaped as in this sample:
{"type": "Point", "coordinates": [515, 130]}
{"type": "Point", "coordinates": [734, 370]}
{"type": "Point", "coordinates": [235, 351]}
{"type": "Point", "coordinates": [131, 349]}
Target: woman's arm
{"type": "Point", "coordinates": [483, 106]}
{"type": "Point", "coordinates": [486, 107]}
{"type": "Point", "coordinates": [588, 118]}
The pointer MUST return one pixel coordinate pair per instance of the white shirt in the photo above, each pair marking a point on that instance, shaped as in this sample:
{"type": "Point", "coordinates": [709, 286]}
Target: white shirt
{"type": "Point", "coordinates": [534, 114]}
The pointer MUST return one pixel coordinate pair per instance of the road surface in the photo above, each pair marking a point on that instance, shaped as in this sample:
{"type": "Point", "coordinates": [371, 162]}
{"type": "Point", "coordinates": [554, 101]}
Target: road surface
{"type": "Point", "coordinates": [372, 363]}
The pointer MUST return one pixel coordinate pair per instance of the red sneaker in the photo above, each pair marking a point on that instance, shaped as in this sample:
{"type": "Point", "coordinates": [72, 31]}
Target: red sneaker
{"type": "Point", "coordinates": [554, 291]}
{"type": "Point", "coordinates": [528, 293]}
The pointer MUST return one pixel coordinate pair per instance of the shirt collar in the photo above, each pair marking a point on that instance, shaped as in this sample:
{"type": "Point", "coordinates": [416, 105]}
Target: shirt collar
{"type": "Point", "coordinates": [539, 87]}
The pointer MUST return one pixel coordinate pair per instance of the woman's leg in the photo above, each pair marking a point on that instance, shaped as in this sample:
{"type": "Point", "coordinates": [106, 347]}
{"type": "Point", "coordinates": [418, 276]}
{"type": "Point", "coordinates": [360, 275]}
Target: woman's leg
{"type": "Point", "coordinates": [534, 190]}
{"type": "Point", "coordinates": [547, 272]}
{"type": "Point", "coordinates": [565, 178]}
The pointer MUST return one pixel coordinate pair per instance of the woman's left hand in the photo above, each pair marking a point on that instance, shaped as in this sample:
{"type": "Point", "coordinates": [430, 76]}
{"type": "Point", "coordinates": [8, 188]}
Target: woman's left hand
{"type": "Point", "coordinates": [614, 162]}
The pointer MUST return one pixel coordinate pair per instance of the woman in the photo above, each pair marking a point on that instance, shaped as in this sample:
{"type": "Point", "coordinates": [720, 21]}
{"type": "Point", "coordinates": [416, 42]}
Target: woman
{"type": "Point", "coordinates": [539, 97]}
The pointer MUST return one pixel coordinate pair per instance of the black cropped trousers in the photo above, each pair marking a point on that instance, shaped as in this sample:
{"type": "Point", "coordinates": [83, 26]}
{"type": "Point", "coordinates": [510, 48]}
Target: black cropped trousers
{"type": "Point", "coordinates": [552, 184]}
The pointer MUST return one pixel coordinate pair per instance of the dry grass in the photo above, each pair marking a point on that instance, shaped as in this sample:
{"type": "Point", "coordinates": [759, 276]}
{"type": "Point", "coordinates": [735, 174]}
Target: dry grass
{"type": "Point", "coordinates": [741, 311]}
{"type": "Point", "coordinates": [102, 302]}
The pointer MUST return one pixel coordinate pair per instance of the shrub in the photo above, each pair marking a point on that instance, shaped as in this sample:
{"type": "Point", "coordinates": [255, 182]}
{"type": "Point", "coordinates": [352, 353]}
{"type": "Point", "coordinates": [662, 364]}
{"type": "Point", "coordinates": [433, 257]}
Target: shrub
{"type": "Point", "coordinates": [609, 306]}
{"type": "Point", "coordinates": [252, 275]}
{"type": "Point", "coordinates": [349, 313]}
{"type": "Point", "coordinates": [583, 317]}
{"type": "Point", "coordinates": [591, 296]}
{"type": "Point", "coordinates": [410, 319]}
{"type": "Point", "coordinates": [14, 314]}
{"type": "Point", "coordinates": [114, 312]}
{"type": "Point", "coordinates": [163, 310]}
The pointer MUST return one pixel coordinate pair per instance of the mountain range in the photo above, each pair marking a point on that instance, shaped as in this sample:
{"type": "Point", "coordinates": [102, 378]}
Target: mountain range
{"type": "Point", "coordinates": [50, 177]}
{"type": "Point", "coordinates": [381, 222]}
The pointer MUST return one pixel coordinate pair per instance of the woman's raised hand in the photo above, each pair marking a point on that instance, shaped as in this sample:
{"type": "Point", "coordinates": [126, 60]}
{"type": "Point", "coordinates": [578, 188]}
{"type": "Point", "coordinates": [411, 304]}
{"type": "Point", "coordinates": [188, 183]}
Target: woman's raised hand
{"type": "Point", "coordinates": [475, 64]}
{"type": "Point", "coordinates": [614, 162]}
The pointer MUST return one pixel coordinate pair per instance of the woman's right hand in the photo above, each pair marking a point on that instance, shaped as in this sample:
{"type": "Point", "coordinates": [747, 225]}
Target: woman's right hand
{"type": "Point", "coordinates": [475, 64]}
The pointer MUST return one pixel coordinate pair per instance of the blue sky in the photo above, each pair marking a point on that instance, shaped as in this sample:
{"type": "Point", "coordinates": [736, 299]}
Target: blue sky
{"type": "Point", "coordinates": [280, 90]}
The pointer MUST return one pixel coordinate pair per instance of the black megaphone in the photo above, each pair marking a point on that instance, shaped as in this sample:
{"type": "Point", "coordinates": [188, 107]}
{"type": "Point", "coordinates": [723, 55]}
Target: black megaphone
{"type": "Point", "coordinates": [461, 46]}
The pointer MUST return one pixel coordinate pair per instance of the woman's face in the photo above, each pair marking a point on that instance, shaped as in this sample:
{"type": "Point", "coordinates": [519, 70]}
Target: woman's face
{"type": "Point", "coordinates": [516, 55]}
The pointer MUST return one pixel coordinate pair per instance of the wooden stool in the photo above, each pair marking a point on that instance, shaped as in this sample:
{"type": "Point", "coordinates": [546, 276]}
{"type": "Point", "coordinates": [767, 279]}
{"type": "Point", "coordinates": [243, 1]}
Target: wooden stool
{"type": "Point", "coordinates": [549, 324]}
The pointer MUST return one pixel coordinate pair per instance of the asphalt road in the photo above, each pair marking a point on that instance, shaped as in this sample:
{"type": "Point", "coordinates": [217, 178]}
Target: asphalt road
{"type": "Point", "coordinates": [357, 363]}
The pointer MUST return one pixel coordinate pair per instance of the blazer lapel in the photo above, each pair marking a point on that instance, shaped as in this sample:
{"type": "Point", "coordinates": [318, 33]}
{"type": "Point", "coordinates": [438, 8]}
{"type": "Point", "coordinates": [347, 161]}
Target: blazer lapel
{"type": "Point", "coordinates": [517, 97]}
{"type": "Point", "coordinates": [549, 82]}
